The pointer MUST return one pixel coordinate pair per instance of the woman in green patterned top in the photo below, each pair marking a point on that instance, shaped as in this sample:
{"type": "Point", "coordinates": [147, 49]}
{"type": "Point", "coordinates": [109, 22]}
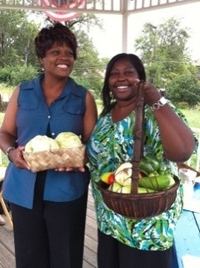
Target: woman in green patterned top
{"type": "Point", "coordinates": [123, 242]}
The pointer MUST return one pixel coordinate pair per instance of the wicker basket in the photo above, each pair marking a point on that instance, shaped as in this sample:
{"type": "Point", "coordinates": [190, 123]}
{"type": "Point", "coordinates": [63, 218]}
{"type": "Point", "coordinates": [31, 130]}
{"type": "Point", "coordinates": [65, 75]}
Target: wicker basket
{"type": "Point", "coordinates": [57, 158]}
{"type": "Point", "coordinates": [134, 205]}
{"type": "Point", "coordinates": [139, 206]}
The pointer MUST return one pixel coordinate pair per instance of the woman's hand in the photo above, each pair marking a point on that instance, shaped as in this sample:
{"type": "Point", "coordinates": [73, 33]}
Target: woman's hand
{"type": "Point", "coordinates": [151, 94]}
{"type": "Point", "coordinates": [81, 169]}
{"type": "Point", "coordinates": [176, 137]}
{"type": "Point", "coordinates": [16, 156]}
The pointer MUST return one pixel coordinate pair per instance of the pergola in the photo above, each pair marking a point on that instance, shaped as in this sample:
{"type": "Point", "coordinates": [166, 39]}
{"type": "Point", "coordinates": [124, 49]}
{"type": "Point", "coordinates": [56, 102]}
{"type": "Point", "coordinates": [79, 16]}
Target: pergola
{"type": "Point", "coordinates": [75, 7]}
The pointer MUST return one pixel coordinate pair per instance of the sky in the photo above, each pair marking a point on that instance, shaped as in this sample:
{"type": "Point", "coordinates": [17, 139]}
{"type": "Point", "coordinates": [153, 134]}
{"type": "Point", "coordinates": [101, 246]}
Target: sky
{"type": "Point", "coordinates": [108, 42]}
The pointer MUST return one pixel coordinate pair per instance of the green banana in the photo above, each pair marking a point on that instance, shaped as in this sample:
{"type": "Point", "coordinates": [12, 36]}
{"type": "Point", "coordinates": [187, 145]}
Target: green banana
{"type": "Point", "coordinates": [157, 183]}
{"type": "Point", "coordinates": [142, 190]}
{"type": "Point", "coordinates": [171, 183]}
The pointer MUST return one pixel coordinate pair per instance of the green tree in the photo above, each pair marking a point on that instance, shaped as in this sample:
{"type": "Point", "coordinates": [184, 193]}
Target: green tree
{"type": "Point", "coordinates": [18, 59]}
{"type": "Point", "coordinates": [16, 38]}
{"type": "Point", "coordinates": [88, 67]}
{"type": "Point", "coordinates": [163, 49]}
{"type": "Point", "coordinates": [184, 88]}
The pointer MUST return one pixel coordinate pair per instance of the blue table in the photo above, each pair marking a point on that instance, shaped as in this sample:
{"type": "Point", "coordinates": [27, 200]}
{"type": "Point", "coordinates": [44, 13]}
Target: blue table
{"type": "Point", "coordinates": [187, 236]}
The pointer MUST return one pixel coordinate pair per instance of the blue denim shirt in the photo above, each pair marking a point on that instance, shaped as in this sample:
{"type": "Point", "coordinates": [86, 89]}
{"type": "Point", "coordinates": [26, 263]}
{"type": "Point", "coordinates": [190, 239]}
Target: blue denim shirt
{"type": "Point", "coordinates": [33, 117]}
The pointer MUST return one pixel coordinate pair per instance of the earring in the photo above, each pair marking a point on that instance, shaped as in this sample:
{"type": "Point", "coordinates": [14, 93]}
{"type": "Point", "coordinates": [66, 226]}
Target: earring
{"type": "Point", "coordinates": [112, 97]}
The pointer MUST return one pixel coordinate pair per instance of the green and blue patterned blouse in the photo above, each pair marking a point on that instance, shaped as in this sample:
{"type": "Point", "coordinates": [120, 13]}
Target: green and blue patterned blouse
{"type": "Point", "coordinates": [111, 144]}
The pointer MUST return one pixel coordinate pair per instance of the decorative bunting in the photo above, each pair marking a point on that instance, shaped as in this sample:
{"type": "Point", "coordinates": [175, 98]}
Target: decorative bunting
{"type": "Point", "coordinates": [62, 15]}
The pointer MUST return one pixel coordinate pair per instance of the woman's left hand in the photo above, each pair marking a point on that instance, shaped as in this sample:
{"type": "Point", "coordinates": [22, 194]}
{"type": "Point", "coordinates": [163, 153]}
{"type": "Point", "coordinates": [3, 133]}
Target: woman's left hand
{"type": "Point", "coordinates": [176, 137]}
{"type": "Point", "coordinates": [81, 169]}
{"type": "Point", "coordinates": [151, 94]}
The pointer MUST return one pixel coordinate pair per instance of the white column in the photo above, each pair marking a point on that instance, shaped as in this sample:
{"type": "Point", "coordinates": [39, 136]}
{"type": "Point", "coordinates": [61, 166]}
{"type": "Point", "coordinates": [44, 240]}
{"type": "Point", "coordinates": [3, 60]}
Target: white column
{"type": "Point", "coordinates": [125, 26]}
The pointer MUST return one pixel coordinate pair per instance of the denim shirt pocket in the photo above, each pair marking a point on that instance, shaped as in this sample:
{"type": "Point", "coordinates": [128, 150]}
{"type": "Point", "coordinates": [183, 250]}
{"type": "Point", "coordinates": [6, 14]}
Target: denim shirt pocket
{"type": "Point", "coordinates": [32, 105]}
{"type": "Point", "coordinates": [28, 101]}
{"type": "Point", "coordinates": [74, 106]}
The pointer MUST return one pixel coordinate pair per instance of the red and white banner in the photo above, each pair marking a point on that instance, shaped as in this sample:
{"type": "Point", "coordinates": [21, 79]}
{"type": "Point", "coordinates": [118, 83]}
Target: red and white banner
{"type": "Point", "coordinates": [62, 15]}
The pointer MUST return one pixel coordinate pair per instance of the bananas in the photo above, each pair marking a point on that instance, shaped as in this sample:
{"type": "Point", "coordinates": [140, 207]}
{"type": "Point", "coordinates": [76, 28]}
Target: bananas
{"type": "Point", "coordinates": [157, 183]}
{"type": "Point", "coordinates": [123, 174]}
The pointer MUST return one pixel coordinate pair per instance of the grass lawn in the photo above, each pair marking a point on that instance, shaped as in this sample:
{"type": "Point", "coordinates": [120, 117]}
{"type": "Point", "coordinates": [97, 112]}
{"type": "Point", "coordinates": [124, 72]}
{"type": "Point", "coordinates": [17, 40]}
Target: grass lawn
{"type": "Point", "coordinates": [193, 117]}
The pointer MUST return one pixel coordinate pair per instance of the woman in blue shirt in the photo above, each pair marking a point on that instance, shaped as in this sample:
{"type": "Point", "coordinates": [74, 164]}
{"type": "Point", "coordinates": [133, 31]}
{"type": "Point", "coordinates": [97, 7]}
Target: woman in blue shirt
{"type": "Point", "coordinates": [48, 207]}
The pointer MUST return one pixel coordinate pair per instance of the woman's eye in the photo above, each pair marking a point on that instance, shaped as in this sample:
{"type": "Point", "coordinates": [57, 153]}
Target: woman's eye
{"type": "Point", "coordinates": [113, 74]}
{"type": "Point", "coordinates": [55, 52]}
{"type": "Point", "coordinates": [129, 72]}
{"type": "Point", "coordinates": [70, 54]}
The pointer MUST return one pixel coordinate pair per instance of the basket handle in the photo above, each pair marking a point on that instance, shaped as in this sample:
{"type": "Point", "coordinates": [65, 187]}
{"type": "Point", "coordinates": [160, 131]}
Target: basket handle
{"type": "Point", "coordinates": [138, 136]}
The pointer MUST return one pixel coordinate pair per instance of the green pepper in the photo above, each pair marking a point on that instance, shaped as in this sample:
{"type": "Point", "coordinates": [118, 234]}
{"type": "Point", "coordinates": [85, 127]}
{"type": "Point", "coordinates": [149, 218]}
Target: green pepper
{"type": "Point", "coordinates": [153, 161]}
{"type": "Point", "coordinates": [145, 166]}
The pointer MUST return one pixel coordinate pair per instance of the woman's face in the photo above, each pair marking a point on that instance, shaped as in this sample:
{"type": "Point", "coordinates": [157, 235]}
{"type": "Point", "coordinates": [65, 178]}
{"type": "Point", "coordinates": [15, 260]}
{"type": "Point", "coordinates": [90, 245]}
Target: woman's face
{"type": "Point", "coordinates": [122, 80]}
{"type": "Point", "coordinates": [58, 61]}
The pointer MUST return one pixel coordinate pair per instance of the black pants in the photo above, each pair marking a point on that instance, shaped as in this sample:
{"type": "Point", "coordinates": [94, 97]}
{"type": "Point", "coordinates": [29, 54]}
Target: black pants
{"type": "Point", "coordinates": [51, 235]}
{"type": "Point", "coordinates": [113, 254]}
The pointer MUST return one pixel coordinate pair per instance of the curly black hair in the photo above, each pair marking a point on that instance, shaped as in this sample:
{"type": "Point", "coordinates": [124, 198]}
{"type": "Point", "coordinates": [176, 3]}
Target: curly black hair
{"type": "Point", "coordinates": [57, 33]}
{"type": "Point", "coordinates": [137, 64]}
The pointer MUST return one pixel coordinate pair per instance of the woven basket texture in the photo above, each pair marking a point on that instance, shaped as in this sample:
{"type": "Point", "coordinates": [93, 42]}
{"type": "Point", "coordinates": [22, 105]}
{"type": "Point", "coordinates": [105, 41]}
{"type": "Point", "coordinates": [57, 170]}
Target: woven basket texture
{"type": "Point", "coordinates": [136, 205]}
{"type": "Point", "coordinates": [57, 158]}
{"type": "Point", "coordinates": [139, 206]}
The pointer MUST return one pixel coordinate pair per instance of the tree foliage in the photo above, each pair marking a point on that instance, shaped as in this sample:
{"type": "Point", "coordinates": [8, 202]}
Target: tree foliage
{"type": "Point", "coordinates": [88, 67]}
{"type": "Point", "coordinates": [185, 88]}
{"type": "Point", "coordinates": [18, 61]}
{"type": "Point", "coordinates": [164, 52]}
{"type": "Point", "coordinates": [16, 38]}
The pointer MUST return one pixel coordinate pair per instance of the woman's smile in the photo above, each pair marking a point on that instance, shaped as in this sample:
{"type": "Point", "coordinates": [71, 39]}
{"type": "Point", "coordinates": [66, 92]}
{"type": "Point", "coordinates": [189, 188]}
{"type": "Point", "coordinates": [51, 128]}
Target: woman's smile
{"type": "Point", "coordinates": [62, 66]}
{"type": "Point", "coordinates": [122, 80]}
{"type": "Point", "coordinates": [122, 88]}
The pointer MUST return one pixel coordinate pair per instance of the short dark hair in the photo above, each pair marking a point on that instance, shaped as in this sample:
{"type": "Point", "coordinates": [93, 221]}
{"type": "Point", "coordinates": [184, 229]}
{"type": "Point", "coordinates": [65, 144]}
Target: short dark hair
{"type": "Point", "coordinates": [57, 33]}
{"type": "Point", "coordinates": [137, 64]}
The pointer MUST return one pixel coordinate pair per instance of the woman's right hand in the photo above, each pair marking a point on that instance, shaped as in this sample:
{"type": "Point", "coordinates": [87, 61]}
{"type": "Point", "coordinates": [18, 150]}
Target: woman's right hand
{"type": "Point", "coordinates": [16, 156]}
